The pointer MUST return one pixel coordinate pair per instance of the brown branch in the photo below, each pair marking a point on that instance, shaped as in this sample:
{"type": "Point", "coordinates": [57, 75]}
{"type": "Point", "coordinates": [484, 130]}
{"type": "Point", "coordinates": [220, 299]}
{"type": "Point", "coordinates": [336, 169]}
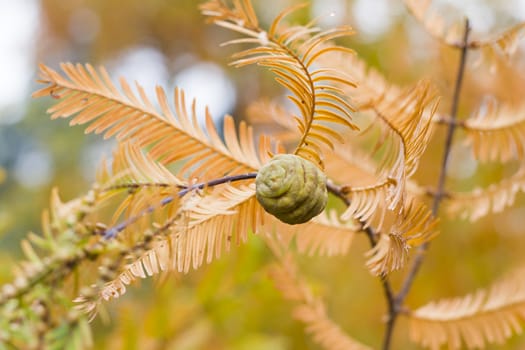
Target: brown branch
{"type": "Point", "coordinates": [338, 192]}
{"type": "Point", "coordinates": [115, 230]}
{"type": "Point", "coordinates": [139, 185]}
{"type": "Point", "coordinates": [438, 196]}
{"type": "Point", "coordinates": [446, 120]}
{"type": "Point", "coordinates": [432, 192]}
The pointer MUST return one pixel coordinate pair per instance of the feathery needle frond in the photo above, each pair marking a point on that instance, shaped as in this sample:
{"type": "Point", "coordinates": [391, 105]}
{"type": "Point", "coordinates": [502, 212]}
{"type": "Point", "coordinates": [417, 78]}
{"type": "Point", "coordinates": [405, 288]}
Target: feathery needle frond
{"type": "Point", "coordinates": [130, 165]}
{"type": "Point", "coordinates": [411, 229]}
{"type": "Point", "coordinates": [496, 132]}
{"type": "Point", "coordinates": [292, 54]}
{"type": "Point", "coordinates": [324, 235]}
{"type": "Point", "coordinates": [480, 202]}
{"type": "Point", "coordinates": [205, 227]}
{"type": "Point", "coordinates": [367, 203]}
{"type": "Point", "coordinates": [505, 43]}
{"type": "Point", "coordinates": [310, 309]}
{"type": "Point", "coordinates": [145, 183]}
{"type": "Point", "coordinates": [434, 23]}
{"type": "Point", "coordinates": [94, 99]}
{"type": "Point", "coordinates": [406, 126]}
{"type": "Point", "coordinates": [371, 86]}
{"type": "Point", "coordinates": [408, 120]}
{"type": "Point", "coordinates": [488, 316]}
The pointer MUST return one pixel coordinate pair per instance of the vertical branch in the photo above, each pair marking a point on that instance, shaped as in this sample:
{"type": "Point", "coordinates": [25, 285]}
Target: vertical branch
{"type": "Point", "coordinates": [396, 308]}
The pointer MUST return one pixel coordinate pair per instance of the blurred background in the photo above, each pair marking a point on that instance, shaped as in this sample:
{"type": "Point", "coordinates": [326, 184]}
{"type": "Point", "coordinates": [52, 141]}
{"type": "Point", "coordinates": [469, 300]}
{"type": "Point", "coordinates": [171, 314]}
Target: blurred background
{"type": "Point", "coordinates": [232, 304]}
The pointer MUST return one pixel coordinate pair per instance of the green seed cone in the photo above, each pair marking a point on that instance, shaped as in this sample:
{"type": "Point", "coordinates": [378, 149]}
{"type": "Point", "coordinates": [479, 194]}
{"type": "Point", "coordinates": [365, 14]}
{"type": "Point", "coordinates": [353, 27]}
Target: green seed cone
{"type": "Point", "coordinates": [291, 188]}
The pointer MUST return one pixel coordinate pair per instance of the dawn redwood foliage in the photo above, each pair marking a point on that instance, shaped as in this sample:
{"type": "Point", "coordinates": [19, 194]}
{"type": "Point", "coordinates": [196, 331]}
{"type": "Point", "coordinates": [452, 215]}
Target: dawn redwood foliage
{"type": "Point", "coordinates": [180, 194]}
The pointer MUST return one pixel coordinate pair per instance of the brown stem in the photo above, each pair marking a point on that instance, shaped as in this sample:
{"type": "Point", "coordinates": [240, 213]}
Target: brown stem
{"type": "Point", "coordinates": [439, 194]}
{"type": "Point", "coordinates": [338, 192]}
{"type": "Point", "coordinates": [446, 120]}
{"type": "Point", "coordinates": [115, 230]}
{"type": "Point", "coordinates": [138, 185]}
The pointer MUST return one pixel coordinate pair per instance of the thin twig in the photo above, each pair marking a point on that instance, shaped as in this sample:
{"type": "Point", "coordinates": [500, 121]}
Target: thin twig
{"type": "Point", "coordinates": [431, 192]}
{"type": "Point", "coordinates": [138, 185]}
{"type": "Point", "coordinates": [439, 193]}
{"type": "Point", "coordinates": [446, 120]}
{"type": "Point", "coordinates": [338, 192]}
{"type": "Point", "coordinates": [115, 230]}
{"type": "Point", "coordinates": [440, 190]}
